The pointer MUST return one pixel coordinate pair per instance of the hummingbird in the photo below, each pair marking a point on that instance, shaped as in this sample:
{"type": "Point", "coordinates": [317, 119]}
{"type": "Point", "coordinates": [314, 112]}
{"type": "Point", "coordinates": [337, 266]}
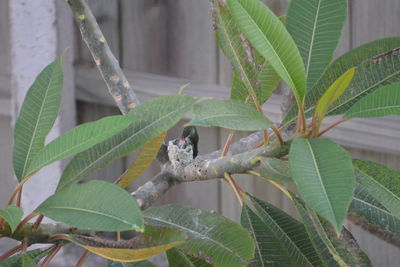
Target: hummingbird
{"type": "Point", "coordinates": [182, 151]}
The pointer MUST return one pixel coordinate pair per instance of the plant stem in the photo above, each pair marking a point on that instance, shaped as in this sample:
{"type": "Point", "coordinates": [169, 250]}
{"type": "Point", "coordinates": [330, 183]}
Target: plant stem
{"type": "Point", "coordinates": [228, 144]}
{"type": "Point", "coordinates": [117, 84]}
{"type": "Point", "coordinates": [82, 259]}
{"type": "Point", "coordinates": [278, 135]}
{"type": "Point", "coordinates": [336, 123]}
{"type": "Point", "coordinates": [38, 221]}
{"type": "Point", "coordinates": [10, 252]}
{"type": "Point", "coordinates": [51, 255]}
{"type": "Point", "coordinates": [276, 184]}
{"type": "Point", "coordinates": [19, 197]}
{"type": "Point", "coordinates": [235, 188]}
{"type": "Point", "coordinates": [25, 221]}
{"type": "Point", "coordinates": [17, 189]}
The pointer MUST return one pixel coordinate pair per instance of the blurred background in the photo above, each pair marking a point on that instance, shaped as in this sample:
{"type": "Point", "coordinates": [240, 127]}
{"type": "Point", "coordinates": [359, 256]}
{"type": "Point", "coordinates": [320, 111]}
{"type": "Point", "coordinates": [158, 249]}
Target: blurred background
{"type": "Point", "coordinates": [161, 45]}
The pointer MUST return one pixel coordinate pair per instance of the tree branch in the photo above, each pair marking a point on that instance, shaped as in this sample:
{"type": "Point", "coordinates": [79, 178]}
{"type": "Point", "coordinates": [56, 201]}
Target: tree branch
{"type": "Point", "coordinates": [108, 65]}
{"type": "Point", "coordinates": [208, 167]}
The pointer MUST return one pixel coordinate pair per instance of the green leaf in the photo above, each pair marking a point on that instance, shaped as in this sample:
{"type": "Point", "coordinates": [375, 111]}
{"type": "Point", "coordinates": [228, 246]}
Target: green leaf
{"type": "Point", "coordinates": [36, 255]}
{"type": "Point", "coordinates": [382, 183]}
{"type": "Point", "coordinates": [275, 169]}
{"type": "Point", "coordinates": [333, 93]}
{"type": "Point", "coordinates": [382, 102]}
{"type": "Point", "coordinates": [152, 119]}
{"type": "Point", "coordinates": [21, 260]}
{"type": "Point", "coordinates": [154, 241]}
{"type": "Point", "coordinates": [270, 38]}
{"type": "Point", "coordinates": [253, 77]}
{"type": "Point", "coordinates": [316, 27]}
{"type": "Point", "coordinates": [281, 240]}
{"type": "Point", "coordinates": [228, 114]}
{"type": "Point", "coordinates": [96, 205]}
{"type": "Point", "coordinates": [79, 139]}
{"type": "Point", "coordinates": [37, 116]}
{"type": "Point", "coordinates": [142, 161]}
{"type": "Point", "coordinates": [333, 250]}
{"type": "Point", "coordinates": [177, 258]}
{"type": "Point", "coordinates": [324, 175]}
{"type": "Point", "coordinates": [369, 75]}
{"type": "Point", "coordinates": [111, 263]}
{"type": "Point", "coordinates": [367, 212]}
{"type": "Point", "coordinates": [210, 235]}
{"type": "Point", "coordinates": [12, 215]}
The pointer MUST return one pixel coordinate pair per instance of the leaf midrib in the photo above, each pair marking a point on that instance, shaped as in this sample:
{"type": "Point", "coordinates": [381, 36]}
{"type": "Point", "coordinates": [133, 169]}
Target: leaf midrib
{"type": "Point", "coordinates": [37, 123]}
{"type": "Point", "coordinates": [261, 210]}
{"type": "Point", "coordinates": [373, 109]}
{"type": "Point", "coordinates": [320, 179]}
{"type": "Point", "coordinates": [93, 212]}
{"type": "Point", "coordinates": [312, 38]}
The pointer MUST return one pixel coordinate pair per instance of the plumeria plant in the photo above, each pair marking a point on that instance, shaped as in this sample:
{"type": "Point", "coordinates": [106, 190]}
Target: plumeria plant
{"type": "Point", "coordinates": [263, 50]}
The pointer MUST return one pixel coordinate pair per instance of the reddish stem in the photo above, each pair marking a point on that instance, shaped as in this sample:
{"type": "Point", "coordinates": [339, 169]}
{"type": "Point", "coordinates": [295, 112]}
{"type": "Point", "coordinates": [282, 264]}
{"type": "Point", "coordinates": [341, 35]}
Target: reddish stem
{"type": "Point", "coordinates": [19, 197]}
{"type": "Point", "coordinates": [227, 145]}
{"type": "Point", "coordinates": [51, 255]}
{"type": "Point", "coordinates": [82, 259]}
{"type": "Point", "coordinates": [336, 123]}
{"type": "Point", "coordinates": [25, 221]}
{"type": "Point", "coordinates": [38, 221]}
{"type": "Point", "coordinates": [10, 252]}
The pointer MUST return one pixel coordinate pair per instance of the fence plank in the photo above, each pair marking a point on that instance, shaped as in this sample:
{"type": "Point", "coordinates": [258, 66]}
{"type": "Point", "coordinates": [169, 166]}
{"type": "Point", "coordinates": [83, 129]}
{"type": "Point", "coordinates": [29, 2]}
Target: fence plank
{"type": "Point", "coordinates": [144, 35]}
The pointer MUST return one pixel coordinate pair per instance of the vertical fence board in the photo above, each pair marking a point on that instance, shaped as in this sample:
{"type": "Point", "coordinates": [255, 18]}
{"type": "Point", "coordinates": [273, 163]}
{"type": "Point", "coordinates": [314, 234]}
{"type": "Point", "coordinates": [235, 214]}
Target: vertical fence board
{"type": "Point", "coordinates": [144, 35]}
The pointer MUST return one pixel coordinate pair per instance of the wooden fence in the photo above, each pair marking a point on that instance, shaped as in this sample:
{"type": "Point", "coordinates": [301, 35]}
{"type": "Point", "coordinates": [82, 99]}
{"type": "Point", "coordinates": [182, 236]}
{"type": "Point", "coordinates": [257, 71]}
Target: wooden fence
{"type": "Point", "coordinates": [163, 44]}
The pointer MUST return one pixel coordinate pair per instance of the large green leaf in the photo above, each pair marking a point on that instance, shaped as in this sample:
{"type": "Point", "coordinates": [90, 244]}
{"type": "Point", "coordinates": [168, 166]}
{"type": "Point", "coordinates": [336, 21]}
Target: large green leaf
{"type": "Point", "coordinates": [79, 139]}
{"type": "Point", "coordinates": [367, 212]}
{"type": "Point", "coordinates": [177, 258]}
{"type": "Point", "coordinates": [376, 64]}
{"type": "Point", "coordinates": [324, 175]}
{"type": "Point", "coordinates": [333, 250]}
{"type": "Point", "coordinates": [96, 205]}
{"type": "Point", "coordinates": [254, 77]}
{"type": "Point", "coordinates": [154, 241]}
{"type": "Point", "coordinates": [21, 260]}
{"type": "Point", "coordinates": [12, 215]}
{"type": "Point", "coordinates": [210, 235]}
{"type": "Point", "coordinates": [280, 239]}
{"type": "Point", "coordinates": [270, 38]}
{"type": "Point", "coordinates": [382, 102]}
{"type": "Point", "coordinates": [229, 114]}
{"type": "Point", "coordinates": [316, 26]}
{"type": "Point", "coordinates": [152, 119]}
{"type": "Point", "coordinates": [382, 183]}
{"type": "Point", "coordinates": [37, 116]}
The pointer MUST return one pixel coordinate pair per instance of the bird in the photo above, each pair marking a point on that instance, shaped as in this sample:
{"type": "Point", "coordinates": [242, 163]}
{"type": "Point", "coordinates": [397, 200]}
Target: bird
{"type": "Point", "coordinates": [180, 151]}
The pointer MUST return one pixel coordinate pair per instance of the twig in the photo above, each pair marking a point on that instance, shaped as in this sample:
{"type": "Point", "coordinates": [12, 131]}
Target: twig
{"type": "Point", "coordinates": [25, 221]}
{"type": "Point", "coordinates": [235, 188]}
{"type": "Point", "coordinates": [49, 257]}
{"type": "Point", "coordinates": [38, 221]}
{"type": "Point", "coordinates": [83, 258]}
{"type": "Point", "coordinates": [108, 65]}
{"type": "Point", "coordinates": [10, 252]}
{"type": "Point", "coordinates": [329, 127]}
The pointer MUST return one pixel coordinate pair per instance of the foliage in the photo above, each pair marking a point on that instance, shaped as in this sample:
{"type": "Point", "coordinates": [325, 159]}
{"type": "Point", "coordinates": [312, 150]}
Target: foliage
{"type": "Point", "coordinates": [262, 49]}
